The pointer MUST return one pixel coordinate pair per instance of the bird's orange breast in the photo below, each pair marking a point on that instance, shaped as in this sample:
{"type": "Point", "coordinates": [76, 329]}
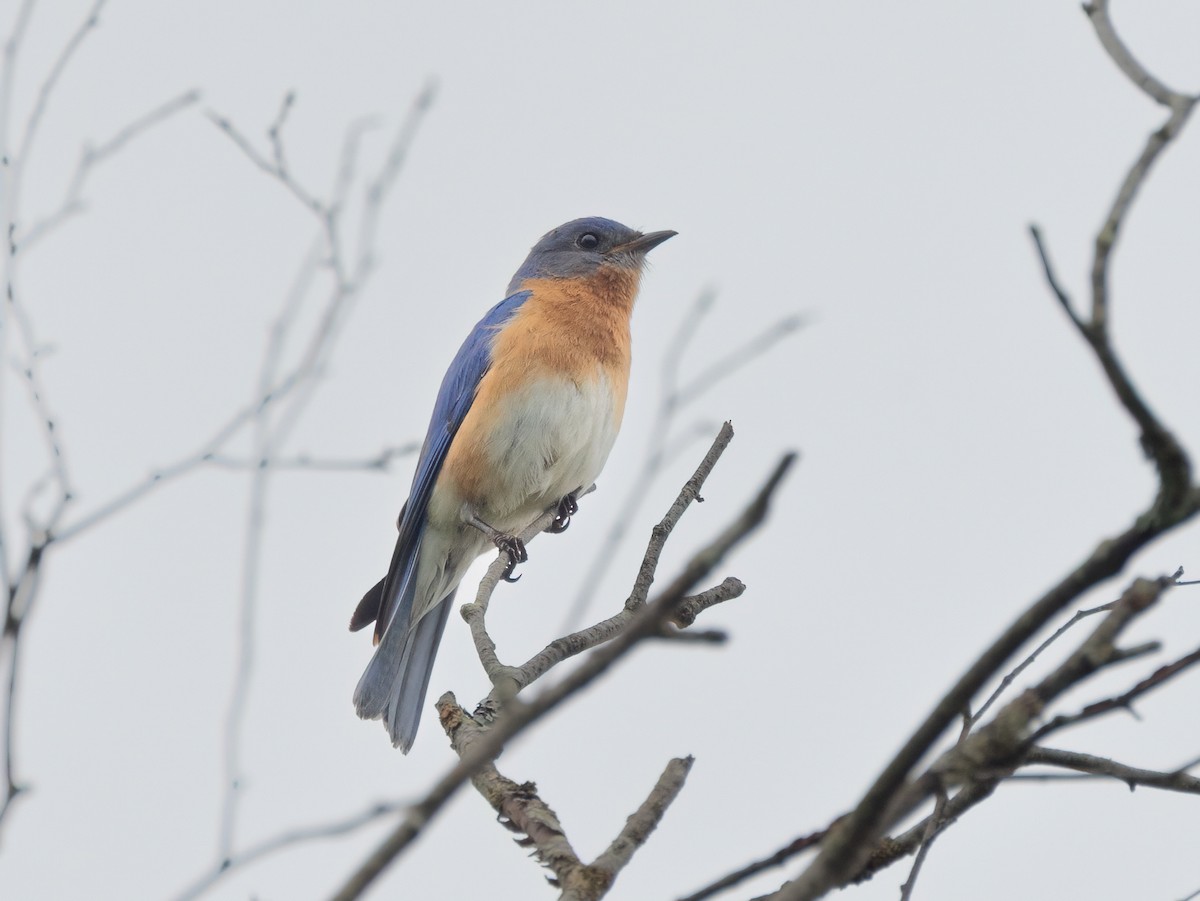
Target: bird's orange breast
{"type": "Point", "coordinates": [575, 330]}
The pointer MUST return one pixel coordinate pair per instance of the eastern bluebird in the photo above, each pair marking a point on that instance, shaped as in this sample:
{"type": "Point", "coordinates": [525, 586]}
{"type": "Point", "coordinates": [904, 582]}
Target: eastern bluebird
{"type": "Point", "coordinates": [523, 421]}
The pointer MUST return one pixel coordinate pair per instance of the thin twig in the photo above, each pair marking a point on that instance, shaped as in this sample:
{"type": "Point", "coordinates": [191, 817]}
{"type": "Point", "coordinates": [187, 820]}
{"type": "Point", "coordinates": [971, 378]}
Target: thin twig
{"type": "Point", "coordinates": [380, 462]}
{"type": "Point", "coordinates": [508, 680]}
{"type": "Point", "coordinates": [271, 167]}
{"type": "Point", "coordinates": [35, 386]}
{"type": "Point", "coordinates": [1064, 299]}
{"type": "Point", "coordinates": [1120, 702]}
{"type": "Point", "coordinates": [11, 645]}
{"type": "Point", "coordinates": [271, 434]}
{"type": "Point", "coordinates": [375, 191]}
{"type": "Point", "coordinates": [16, 163]}
{"type": "Point", "coordinates": [672, 398]}
{"type": "Point", "coordinates": [8, 217]}
{"type": "Point", "coordinates": [934, 824]}
{"type": "Point", "coordinates": [723, 367]}
{"type": "Point", "coordinates": [246, 644]}
{"type": "Point", "coordinates": [1024, 664]}
{"type": "Point", "coordinates": [1097, 11]}
{"type": "Point", "coordinates": [91, 157]}
{"type": "Point", "coordinates": [504, 679]}
{"type": "Point", "coordinates": [1180, 106]}
{"type": "Point", "coordinates": [20, 593]}
{"type": "Point", "coordinates": [750, 870]}
{"type": "Point", "coordinates": [350, 279]}
{"type": "Point", "coordinates": [1191, 764]}
{"type": "Point", "coordinates": [182, 466]}
{"type": "Point", "coordinates": [284, 841]}
{"type": "Point", "coordinates": [44, 94]}
{"type": "Point", "coordinates": [1101, 766]}
{"type": "Point", "coordinates": [890, 850]}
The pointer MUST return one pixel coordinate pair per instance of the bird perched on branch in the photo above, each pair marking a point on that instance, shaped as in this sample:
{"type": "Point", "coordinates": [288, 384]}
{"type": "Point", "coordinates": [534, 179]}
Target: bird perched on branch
{"type": "Point", "coordinates": [523, 421]}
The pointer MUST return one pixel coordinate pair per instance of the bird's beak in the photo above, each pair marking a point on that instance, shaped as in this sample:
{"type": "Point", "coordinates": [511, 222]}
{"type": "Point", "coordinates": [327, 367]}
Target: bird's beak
{"type": "Point", "coordinates": [644, 243]}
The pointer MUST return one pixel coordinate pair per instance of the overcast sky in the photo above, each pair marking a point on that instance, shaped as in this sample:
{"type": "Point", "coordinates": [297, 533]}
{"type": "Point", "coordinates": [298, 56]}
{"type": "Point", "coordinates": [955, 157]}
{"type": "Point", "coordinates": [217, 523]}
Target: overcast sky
{"type": "Point", "coordinates": [872, 166]}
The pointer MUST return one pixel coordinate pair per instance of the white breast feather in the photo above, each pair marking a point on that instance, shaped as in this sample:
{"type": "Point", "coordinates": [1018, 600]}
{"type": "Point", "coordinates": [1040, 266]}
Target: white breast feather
{"type": "Point", "coordinates": [553, 438]}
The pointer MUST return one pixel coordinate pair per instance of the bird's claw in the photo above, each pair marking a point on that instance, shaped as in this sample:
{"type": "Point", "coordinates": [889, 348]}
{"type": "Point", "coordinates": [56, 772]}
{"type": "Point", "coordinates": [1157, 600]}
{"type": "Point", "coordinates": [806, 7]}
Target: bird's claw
{"type": "Point", "coordinates": [567, 508]}
{"type": "Point", "coordinates": [514, 547]}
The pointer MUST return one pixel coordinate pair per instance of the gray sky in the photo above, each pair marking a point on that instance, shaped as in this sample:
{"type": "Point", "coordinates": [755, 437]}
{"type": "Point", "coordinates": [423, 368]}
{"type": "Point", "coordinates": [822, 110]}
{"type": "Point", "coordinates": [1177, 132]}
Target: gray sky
{"type": "Point", "coordinates": [873, 166]}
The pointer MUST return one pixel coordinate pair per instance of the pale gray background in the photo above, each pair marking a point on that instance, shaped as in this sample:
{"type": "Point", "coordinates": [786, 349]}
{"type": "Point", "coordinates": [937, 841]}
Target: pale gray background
{"type": "Point", "coordinates": [871, 164]}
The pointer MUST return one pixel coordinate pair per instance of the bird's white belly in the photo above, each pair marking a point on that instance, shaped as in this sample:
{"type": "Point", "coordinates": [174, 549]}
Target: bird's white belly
{"type": "Point", "coordinates": [543, 442]}
{"type": "Point", "coordinates": [552, 438]}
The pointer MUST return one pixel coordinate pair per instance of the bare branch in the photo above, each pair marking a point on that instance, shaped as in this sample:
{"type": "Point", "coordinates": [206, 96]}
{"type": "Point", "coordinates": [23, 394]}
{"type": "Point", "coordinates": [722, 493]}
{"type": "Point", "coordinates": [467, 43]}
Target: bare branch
{"type": "Point", "coordinates": [475, 613]}
{"type": "Point", "coordinates": [673, 397]}
{"type": "Point", "coordinates": [284, 395]}
{"type": "Point", "coordinates": [644, 820]}
{"type": "Point", "coordinates": [45, 91]}
{"type": "Point", "coordinates": [737, 358]}
{"type": "Point", "coordinates": [1178, 780]}
{"type": "Point", "coordinates": [690, 608]}
{"type": "Point", "coordinates": [12, 47]}
{"type": "Point", "coordinates": [275, 132]}
{"type": "Point", "coordinates": [508, 680]}
{"type": "Point", "coordinates": [1121, 702]}
{"type": "Point", "coordinates": [997, 747]}
{"type": "Point", "coordinates": [777, 859]}
{"type": "Point", "coordinates": [1021, 667]}
{"type": "Point", "coordinates": [269, 166]}
{"type": "Point", "coordinates": [1169, 456]}
{"type": "Point", "coordinates": [1177, 501]}
{"type": "Point", "coordinates": [180, 467]}
{"type": "Point", "coordinates": [31, 371]}
{"type": "Point", "coordinates": [91, 157]}
{"type": "Point", "coordinates": [379, 462]}
{"type": "Point", "coordinates": [12, 186]}
{"type": "Point", "coordinates": [477, 747]}
{"type": "Point", "coordinates": [893, 849]}
{"type": "Point", "coordinates": [12, 646]}
{"type": "Point", "coordinates": [377, 190]}
{"type": "Point", "coordinates": [8, 214]}
{"type": "Point", "coordinates": [1064, 299]}
{"type": "Point", "coordinates": [1180, 106]}
{"type": "Point", "coordinates": [285, 841]}
{"type": "Point", "coordinates": [1097, 12]}
{"type": "Point", "coordinates": [270, 434]}
{"type": "Point", "coordinates": [21, 592]}
{"type": "Point", "coordinates": [933, 825]}
{"type": "Point", "coordinates": [982, 760]}
{"type": "Point", "coordinates": [246, 643]}
{"type": "Point", "coordinates": [1191, 764]}
{"type": "Point", "coordinates": [978, 761]}
{"type": "Point", "coordinates": [349, 279]}
{"type": "Point", "coordinates": [661, 532]}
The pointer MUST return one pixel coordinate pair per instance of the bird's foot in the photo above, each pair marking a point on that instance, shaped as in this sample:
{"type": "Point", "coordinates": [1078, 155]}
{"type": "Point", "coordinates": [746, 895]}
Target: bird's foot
{"type": "Point", "coordinates": [567, 508]}
{"type": "Point", "coordinates": [515, 548]}
{"type": "Point", "coordinates": [511, 545]}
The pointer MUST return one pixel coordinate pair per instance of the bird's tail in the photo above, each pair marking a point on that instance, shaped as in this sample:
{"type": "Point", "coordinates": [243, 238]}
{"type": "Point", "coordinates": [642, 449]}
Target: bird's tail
{"type": "Point", "coordinates": [394, 684]}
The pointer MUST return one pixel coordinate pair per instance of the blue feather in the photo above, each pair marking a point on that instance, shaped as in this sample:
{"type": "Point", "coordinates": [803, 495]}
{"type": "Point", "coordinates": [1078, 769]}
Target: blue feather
{"type": "Point", "coordinates": [394, 684]}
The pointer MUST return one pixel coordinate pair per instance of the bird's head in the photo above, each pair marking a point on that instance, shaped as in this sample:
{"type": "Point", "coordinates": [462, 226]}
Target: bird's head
{"type": "Point", "coordinates": [581, 247]}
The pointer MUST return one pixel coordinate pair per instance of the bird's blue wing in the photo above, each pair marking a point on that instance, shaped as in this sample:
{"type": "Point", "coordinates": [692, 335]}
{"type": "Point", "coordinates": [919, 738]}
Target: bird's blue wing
{"type": "Point", "coordinates": [392, 598]}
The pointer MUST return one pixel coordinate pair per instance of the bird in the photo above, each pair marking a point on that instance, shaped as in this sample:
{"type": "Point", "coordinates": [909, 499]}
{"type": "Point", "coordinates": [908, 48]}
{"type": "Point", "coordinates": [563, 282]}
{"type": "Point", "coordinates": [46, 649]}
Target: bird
{"type": "Point", "coordinates": [524, 420]}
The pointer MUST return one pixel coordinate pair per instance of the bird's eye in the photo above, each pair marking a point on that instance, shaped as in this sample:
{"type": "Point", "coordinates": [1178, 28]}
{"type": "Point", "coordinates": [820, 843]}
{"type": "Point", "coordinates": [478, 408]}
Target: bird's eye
{"type": "Point", "coordinates": [588, 241]}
